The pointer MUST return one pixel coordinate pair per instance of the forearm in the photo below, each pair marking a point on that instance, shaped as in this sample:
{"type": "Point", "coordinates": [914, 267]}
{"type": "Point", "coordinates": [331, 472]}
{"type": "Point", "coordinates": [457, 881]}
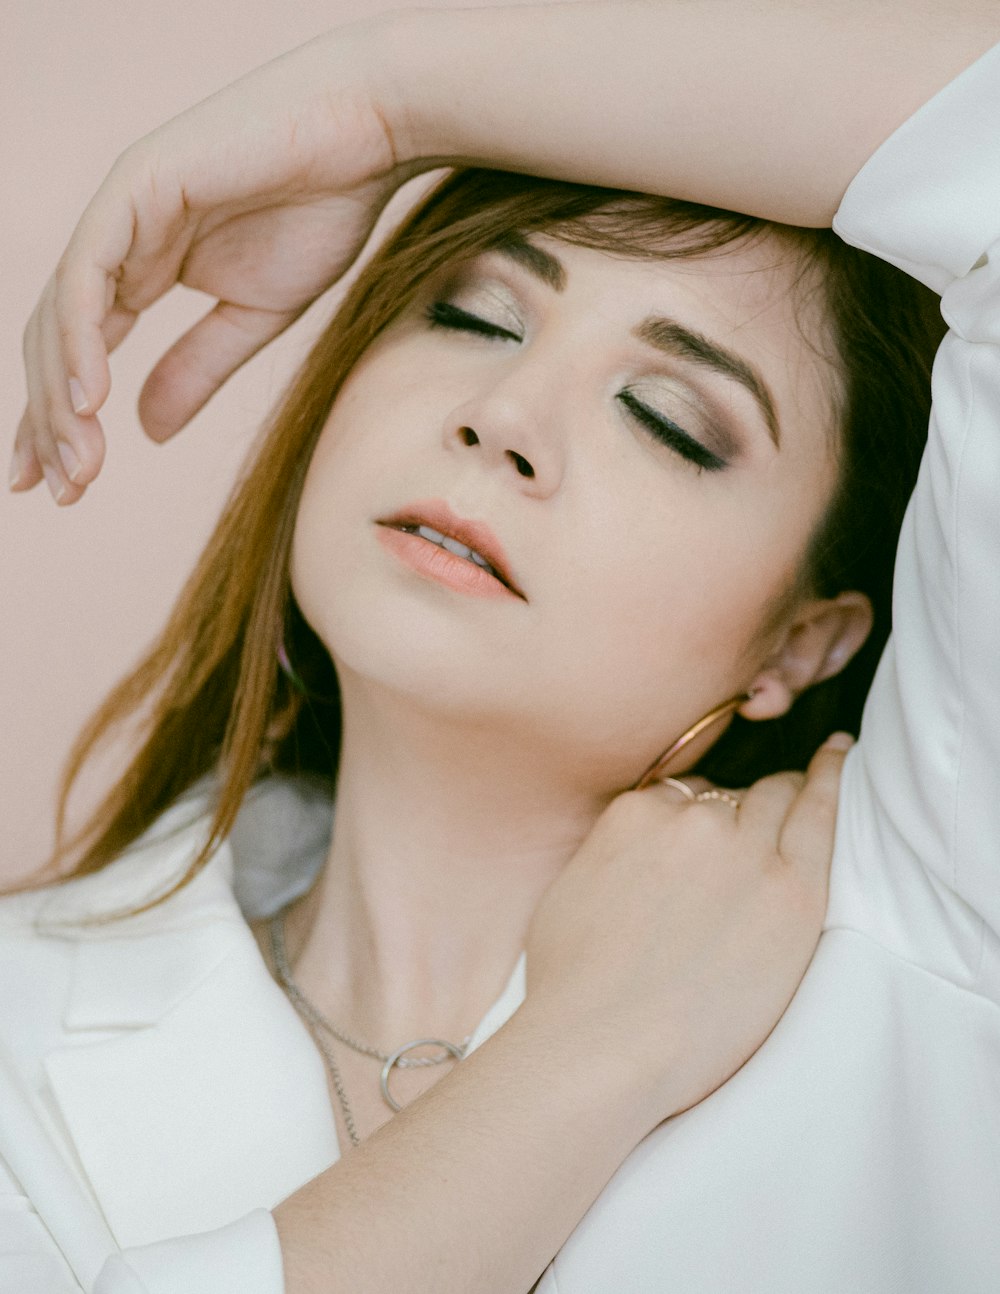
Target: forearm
{"type": "Point", "coordinates": [476, 1185]}
{"type": "Point", "coordinates": [767, 108]}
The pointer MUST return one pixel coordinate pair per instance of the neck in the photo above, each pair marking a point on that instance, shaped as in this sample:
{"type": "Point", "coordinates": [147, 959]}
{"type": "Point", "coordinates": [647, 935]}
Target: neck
{"type": "Point", "coordinates": [445, 838]}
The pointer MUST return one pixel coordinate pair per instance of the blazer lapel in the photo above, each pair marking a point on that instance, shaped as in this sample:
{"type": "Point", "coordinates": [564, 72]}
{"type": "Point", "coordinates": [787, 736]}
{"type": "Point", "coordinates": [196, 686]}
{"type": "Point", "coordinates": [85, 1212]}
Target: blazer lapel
{"type": "Point", "coordinates": [189, 1087]}
{"type": "Point", "coordinates": [48, 1181]}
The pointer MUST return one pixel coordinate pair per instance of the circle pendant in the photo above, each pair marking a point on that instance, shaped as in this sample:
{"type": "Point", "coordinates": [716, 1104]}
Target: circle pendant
{"type": "Point", "coordinates": [393, 1060]}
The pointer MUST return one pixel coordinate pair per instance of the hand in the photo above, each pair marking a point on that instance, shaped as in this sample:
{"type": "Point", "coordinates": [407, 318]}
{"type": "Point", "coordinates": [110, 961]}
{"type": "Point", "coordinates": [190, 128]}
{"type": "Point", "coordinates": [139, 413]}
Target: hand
{"type": "Point", "coordinates": [678, 933]}
{"type": "Point", "coordinates": [261, 196]}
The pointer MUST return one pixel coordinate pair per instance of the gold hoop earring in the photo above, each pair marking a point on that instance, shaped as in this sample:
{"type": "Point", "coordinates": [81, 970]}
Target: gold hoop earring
{"type": "Point", "coordinates": [695, 730]}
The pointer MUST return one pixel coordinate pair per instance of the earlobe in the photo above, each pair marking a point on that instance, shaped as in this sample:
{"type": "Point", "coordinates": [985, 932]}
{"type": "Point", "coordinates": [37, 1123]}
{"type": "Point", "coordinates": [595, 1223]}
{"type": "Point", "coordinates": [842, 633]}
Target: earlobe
{"type": "Point", "coordinates": [822, 637]}
{"type": "Point", "coordinates": [770, 696]}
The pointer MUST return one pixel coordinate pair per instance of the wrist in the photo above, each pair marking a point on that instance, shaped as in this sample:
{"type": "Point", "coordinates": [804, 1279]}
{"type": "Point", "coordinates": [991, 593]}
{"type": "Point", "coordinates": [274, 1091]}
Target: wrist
{"type": "Point", "coordinates": [363, 63]}
{"type": "Point", "coordinates": [416, 71]}
{"type": "Point", "coordinates": [599, 1075]}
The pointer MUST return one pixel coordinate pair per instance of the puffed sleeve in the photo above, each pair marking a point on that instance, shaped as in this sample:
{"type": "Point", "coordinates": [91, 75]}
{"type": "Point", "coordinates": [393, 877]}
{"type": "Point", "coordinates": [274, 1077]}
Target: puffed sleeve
{"type": "Point", "coordinates": [923, 795]}
{"type": "Point", "coordinates": [243, 1257]}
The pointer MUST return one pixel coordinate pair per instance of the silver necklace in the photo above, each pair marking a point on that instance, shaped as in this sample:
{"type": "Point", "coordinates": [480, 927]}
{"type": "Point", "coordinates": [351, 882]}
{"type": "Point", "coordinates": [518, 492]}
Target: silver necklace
{"type": "Point", "coordinates": [391, 1060]}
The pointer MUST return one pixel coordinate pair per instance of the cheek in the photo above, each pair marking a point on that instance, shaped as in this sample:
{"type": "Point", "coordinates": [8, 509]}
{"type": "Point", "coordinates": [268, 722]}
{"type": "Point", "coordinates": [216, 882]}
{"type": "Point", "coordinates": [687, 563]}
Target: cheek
{"type": "Point", "coordinates": [328, 527]}
{"type": "Point", "coordinates": [359, 444]}
{"type": "Point", "coordinates": [673, 614]}
{"type": "Point", "coordinates": [639, 623]}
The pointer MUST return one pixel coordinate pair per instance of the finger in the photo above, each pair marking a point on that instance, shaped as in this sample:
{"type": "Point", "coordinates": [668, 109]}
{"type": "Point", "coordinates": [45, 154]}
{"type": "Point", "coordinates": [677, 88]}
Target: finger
{"type": "Point", "coordinates": [808, 832]}
{"type": "Point", "coordinates": [635, 807]}
{"type": "Point", "coordinates": [78, 438]}
{"type": "Point", "coordinates": [200, 361]}
{"type": "Point", "coordinates": [47, 437]}
{"type": "Point", "coordinates": [49, 411]}
{"type": "Point", "coordinates": [86, 282]}
{"type": "Point", "coordinates": [79, 310]}
{"type": "Point", "coordinates": [26, 470]}
{"type": "Point", "coordinates": [26, 467]}
{"type": "Point", "coordinates": [117, 325]}
{"type": "Point", "coordinates": [764, 807]}
{"type": "Point", "coordinates": [35, 428]}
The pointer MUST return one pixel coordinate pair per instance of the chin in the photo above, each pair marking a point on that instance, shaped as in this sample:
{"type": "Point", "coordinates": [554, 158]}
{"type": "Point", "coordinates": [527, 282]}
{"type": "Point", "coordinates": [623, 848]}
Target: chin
{"type": "Point", "coordinates": [415, 656]}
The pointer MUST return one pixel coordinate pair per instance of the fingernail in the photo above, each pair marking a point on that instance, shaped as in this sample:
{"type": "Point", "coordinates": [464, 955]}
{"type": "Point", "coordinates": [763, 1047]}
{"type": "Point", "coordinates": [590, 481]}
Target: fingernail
{"type": "Point", "coordinates": [69, 460]}
{"type": "Point", "coordinates": [77, 396]}
{"type": "Point", "coordinates": [839, 741]}
{"type": "Point", "coordinates": [15, 469]}
{"type": "Point", "coordinates": [57, 486]}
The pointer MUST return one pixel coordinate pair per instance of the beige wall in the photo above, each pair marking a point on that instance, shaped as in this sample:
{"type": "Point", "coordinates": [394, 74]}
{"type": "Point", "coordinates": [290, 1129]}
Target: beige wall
{"type": "Point", "coordinates": [84, 589]}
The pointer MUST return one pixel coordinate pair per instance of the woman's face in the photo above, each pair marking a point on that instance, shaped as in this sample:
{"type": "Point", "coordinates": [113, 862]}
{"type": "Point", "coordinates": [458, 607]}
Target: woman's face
{"type": "Point", "coordinates": [652, 444]}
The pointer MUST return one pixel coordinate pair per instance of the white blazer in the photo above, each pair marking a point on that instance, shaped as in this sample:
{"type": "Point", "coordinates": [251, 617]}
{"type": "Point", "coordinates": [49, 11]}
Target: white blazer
{"type": "Point", "coordinates": [158, 1094]}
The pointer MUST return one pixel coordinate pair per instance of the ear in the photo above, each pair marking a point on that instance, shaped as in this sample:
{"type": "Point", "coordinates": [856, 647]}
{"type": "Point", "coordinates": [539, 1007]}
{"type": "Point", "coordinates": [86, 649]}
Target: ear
{"type": "Point", "coordinates": [822, 636]}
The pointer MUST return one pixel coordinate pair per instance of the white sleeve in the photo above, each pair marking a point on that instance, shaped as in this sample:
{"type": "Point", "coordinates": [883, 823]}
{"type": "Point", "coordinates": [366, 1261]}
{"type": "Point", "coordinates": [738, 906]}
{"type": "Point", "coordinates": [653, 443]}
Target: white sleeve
{"type": "Point", "coordinates": [925, 783]}
{"type": "Point", "coordinates": [241, 1258]}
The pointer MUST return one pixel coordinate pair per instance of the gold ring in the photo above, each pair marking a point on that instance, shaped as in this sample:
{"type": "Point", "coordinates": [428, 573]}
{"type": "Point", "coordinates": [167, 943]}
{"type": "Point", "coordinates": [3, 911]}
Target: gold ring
{"type": "Point", "coordinates": [678, 785]}
{"type": "Point", "coordinates": [725, 796]}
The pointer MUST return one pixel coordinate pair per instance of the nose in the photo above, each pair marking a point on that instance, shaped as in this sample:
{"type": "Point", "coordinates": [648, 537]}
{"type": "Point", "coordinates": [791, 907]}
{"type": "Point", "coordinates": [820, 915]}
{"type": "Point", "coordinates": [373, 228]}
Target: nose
{"type": "Point", "coordinates": [511, 425]}
{"type": "Point", "coordinates": [469, 436]}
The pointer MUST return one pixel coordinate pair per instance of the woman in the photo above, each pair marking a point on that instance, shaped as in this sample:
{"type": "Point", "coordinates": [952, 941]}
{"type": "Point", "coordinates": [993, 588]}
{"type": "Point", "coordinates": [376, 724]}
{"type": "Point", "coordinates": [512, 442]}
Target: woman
{"type": "Point", "coordinates": [884, 945]}
{"type": "Point", "coordinates": [522, 764]}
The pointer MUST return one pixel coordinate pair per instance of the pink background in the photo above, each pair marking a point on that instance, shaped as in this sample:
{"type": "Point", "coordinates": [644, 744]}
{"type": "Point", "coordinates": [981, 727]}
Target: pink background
{"type": "Point", "coordinates": [84, 589]}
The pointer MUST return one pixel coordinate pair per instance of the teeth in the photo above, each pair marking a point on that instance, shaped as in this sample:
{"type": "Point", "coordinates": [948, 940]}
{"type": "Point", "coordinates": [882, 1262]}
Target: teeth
{"type": "Point", "coordinates": [452, 545]}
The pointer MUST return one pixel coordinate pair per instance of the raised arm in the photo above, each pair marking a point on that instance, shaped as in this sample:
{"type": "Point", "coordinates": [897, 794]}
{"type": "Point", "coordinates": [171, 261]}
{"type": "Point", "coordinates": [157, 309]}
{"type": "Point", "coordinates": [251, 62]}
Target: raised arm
{"type": "Point", "coordinates": [920, 815]}
{"type": "Point", "coordinates": [263, 194]}
{"type": "Point", "coordinates": [661, 98]}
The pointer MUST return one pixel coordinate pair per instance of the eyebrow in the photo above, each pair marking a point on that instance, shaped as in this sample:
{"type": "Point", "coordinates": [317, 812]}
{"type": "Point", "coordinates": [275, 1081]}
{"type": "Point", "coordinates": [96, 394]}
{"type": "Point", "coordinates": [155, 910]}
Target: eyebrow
{"type": "Point", "coordinates": [666, 335]}
{"type": "Point", "coordinates": [542, 264]}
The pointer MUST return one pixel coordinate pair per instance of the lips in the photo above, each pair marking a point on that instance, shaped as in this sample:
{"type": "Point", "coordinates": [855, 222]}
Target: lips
{"type": "Point", "coordinates": [436, 514]}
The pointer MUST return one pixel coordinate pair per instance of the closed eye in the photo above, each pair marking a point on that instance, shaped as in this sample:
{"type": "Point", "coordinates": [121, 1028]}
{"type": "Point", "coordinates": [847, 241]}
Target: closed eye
{"type": "Point", "coordinates": [442, 314]}
{"type": "Point", "coordinates": [670, 434]}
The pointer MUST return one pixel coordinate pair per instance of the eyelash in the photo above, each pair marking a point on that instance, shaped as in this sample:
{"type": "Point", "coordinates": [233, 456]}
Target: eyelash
{"type": "Point", "coordinates": [441, 314]}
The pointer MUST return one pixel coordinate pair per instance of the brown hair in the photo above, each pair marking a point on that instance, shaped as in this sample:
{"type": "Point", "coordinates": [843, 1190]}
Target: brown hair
{"type": "Point", "coordinates": [215, 704]}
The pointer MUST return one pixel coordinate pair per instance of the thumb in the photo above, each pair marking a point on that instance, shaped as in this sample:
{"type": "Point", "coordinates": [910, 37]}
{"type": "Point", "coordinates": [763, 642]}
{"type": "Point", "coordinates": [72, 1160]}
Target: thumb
{"type": "Point", "coordinates": [807, 836]}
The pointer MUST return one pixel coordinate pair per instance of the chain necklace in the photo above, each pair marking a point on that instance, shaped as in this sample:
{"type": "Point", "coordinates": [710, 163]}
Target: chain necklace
{"type": "Point", "coordinates": [317, 1021]}
{"type": "Point", "coordinates": [276, 929]}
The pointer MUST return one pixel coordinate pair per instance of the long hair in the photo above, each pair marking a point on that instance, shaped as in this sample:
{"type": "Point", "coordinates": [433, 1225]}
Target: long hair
{"type": "Point", "coordinates": [208, 700]}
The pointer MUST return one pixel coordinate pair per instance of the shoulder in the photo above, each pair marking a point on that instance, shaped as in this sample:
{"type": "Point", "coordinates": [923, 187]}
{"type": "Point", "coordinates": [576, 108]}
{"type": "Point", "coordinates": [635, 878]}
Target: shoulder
{"type": "Point", "coordinates": [135, 1043]}
{"type": "Point", "coordinates": [148, 867]}
{"type": "Point", "coordinates": [273, 853]}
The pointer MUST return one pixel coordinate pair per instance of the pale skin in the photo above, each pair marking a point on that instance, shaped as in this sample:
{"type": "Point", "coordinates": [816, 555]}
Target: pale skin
{"type": "Point", "coordinates": [436, 93]}
{"type": "Point", "coordinates": [484, 737]}
{"type": "Point", "coordinates": [262, 195]}
{"type": "Point", "coordinates": [498, 730]}
{"type": "Point", "coordinates": [520, 1103]}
